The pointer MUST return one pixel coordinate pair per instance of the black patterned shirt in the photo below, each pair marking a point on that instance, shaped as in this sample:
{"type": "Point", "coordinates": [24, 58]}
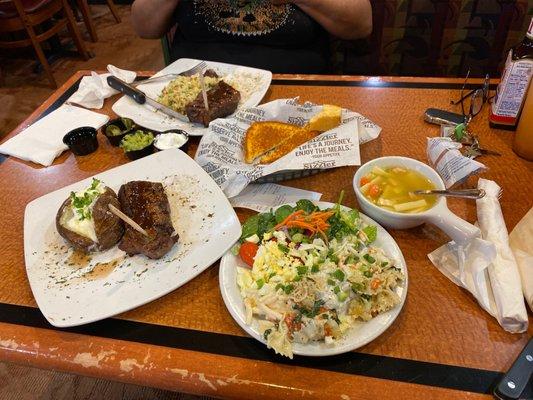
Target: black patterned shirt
{"type": "Point", "coordinates": [256, 33]}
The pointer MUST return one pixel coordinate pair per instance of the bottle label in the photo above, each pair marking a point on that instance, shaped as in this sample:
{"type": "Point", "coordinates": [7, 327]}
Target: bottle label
{"type": "Point", "coordinates": [511, 90]}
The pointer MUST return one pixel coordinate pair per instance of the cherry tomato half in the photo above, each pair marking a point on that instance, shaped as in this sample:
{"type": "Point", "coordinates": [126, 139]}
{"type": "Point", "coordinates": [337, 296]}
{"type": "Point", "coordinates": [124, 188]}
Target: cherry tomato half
{"type": "Point", "coordinates": [247, 252]}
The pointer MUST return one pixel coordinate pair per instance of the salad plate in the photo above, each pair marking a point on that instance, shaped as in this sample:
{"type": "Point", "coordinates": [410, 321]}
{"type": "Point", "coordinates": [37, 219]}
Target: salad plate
{"type": "Point", "coordinates": [359, 333]}
{"type": "Point", "coordinates": [255, 81]}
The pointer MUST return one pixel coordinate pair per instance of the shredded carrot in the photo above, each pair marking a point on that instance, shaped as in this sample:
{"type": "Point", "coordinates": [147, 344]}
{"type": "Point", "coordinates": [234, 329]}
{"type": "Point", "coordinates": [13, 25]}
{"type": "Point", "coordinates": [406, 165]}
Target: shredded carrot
{"type": "Point", "coordinates": [375, 283]}
{"type": "Point", "coordinates": [315, 223]}
{"type": "Point", "coordinates": [289, 217]}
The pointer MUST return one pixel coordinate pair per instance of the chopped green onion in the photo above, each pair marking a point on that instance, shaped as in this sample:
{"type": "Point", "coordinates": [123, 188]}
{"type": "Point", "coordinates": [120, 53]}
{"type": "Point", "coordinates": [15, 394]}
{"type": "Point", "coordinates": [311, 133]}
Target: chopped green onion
{"type": "Point", "coordinates": [288, 289]}
{"type": "Point", "coordinates": [302, 270]}
{"type": "Point", "coordinates": [352, 260]}
{"type": "Point", "coordinates": [338, 274]}
{"type": "Point", "coordinates": [94, 184]}
{"type": "Point", "coordinates": [81, 203]}
{"type": "Point", "coordinates": [332, 256]}
{"type": "Point", "coordinates": [342, 296]}
{"type": "Point", "coordinates": [315, 268]}
{"type": "Point", "coordinates": [260, 283]}
{"type": "Point", "coordinates": [310, 313]}
{"type": "Point", "coordinates": [357, 287]}
{"type": "Point", "coordinates": [283, 248]}
{"type": "Point", "coordinates": [369, 258]}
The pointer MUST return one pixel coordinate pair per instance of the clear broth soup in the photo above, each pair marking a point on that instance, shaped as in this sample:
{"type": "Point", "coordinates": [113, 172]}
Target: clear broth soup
{"type": "Point", "coordinates": [391, 188]}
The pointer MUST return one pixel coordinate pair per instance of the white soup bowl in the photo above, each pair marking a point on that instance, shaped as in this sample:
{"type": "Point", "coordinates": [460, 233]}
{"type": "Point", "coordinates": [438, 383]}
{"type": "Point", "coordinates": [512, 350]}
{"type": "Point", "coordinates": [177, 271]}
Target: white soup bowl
{"type": "Point", "coordinates": [458, 229]}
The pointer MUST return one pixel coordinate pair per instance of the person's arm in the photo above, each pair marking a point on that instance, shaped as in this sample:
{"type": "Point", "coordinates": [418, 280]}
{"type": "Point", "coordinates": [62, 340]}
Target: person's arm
{"type": "Point", "coordinates": [346, 19]}
{"type": "Point", "coordinates": [152, 18]}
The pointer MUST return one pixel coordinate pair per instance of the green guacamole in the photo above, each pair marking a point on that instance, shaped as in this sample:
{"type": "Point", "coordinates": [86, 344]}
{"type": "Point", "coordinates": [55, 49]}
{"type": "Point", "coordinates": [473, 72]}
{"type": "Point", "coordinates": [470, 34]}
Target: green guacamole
{"type": "Point", "coordinates": [128, 123]}
{"type": "Point", "coordinates": [114, 130]}
{"type": "Point", "coordinates": [136, 141]}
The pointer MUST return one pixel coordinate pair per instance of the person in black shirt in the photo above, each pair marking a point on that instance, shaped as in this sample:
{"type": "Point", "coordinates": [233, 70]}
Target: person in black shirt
{"type": "Point", "coordinates": [279, 35]}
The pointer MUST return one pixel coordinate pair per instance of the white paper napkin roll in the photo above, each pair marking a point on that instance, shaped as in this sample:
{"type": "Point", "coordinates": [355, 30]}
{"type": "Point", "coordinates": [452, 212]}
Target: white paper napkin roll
{"type": "Point", "coordinates": [521, 241]}
{"type": "Point", "coordinates": [503, 272]}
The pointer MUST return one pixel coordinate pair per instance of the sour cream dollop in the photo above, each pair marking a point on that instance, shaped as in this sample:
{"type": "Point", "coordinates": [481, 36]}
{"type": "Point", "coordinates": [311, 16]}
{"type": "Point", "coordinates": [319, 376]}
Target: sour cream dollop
{"type": "Point", "coordinates": [170, 140]}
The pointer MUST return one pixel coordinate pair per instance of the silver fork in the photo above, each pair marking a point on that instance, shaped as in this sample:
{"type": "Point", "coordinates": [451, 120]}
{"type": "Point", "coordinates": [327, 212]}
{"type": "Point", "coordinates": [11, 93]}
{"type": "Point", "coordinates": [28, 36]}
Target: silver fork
{"type": "Point", "coordinates": [190, 72]}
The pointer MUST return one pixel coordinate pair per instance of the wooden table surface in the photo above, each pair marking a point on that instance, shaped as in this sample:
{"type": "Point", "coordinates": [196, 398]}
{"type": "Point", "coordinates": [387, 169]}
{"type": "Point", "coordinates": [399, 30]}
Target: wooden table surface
{"type": "Point", "coordinates": [442, 346]}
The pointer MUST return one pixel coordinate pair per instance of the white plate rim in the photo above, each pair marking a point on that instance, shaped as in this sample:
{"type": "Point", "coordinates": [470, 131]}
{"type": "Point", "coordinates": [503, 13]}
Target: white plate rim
{"type": "Point", "coordinates": [228, 261]}
{"type": "Point", "coordinates": [198, 130]}
{"type": "Point", "coordinates": [233, 233]}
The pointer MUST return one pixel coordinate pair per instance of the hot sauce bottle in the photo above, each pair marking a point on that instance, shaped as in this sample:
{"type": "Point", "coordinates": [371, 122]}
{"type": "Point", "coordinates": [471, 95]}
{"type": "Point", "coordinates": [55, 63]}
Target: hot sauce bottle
{"type": "Point", "coordinates": [512, 89]}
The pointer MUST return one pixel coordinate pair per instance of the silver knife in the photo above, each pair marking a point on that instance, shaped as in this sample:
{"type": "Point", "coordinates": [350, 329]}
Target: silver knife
{"type": "Point", "coordinates": [141, 98]}
{"type": "Point", "coordinates": [515, 382]}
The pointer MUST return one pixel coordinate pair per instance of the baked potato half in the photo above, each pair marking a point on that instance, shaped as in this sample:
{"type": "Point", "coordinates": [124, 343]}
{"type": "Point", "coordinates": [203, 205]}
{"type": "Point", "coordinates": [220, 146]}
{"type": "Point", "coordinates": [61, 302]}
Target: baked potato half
{"type": "Point", "coordinates": [86, 223]}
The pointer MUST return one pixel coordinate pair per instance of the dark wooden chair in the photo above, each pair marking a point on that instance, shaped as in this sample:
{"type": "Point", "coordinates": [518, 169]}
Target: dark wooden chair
{"type": "Point", "coordinates": [166, 43]}
{"type": "Point", "coordinates": [88, 19]}
{"type": "Point", "coordinates": [35, 18]}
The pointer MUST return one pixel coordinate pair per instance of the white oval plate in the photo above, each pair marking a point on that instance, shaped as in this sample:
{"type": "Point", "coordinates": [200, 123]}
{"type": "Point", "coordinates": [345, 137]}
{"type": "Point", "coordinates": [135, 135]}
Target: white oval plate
{"type": "Point", "coordinates": [147, 117]}
{"type": "Point", "coordinates": [359, 335]}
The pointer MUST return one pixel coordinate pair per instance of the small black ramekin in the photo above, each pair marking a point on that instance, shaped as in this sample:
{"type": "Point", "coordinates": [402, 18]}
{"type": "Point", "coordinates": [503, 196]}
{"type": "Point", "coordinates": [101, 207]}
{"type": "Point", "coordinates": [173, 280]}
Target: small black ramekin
{"type": "Point", "coordinates": [184, 147]}
{"type": "Point", "coordinates": [136, 154]}
{"type": "Point", "coordinates": [115, 140]}
{"type": "Point", "coordinates": [81, 141]}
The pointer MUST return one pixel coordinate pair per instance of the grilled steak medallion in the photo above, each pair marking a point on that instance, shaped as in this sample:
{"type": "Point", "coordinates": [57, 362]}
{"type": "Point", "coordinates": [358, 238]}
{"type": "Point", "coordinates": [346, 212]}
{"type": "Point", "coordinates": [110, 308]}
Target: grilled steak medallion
{"type": "Point", "coordinates": [210, 73]}
{"type": "Point", "coordinates": [222, 100]}
{"type": "Point", "coordinates": [147, 204]}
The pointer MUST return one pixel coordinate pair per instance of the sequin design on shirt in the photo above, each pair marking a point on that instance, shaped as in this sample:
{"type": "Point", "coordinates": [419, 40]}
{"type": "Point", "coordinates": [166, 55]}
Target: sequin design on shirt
{"type": "Point", "coordinates": [242, 17]}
